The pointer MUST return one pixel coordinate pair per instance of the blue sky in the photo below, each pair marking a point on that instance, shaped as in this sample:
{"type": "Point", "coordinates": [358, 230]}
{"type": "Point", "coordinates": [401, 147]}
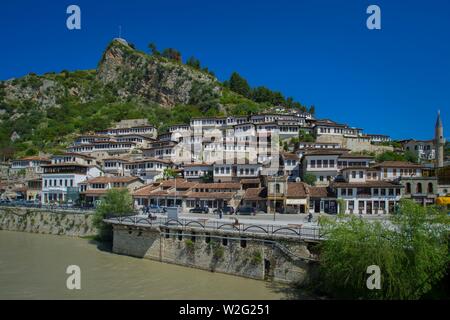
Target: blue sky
{"type": "Point", "coordinates": [389, 81]}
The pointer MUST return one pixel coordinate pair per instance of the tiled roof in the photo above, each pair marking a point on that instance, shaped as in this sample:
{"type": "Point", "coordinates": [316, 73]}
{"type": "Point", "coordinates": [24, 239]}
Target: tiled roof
{"type": "Point", "coordinates": [290, 156]}
{"type": "Point", "coordinates": [250, 181]}
{"type": "Point", "coordinates": [325, 152]}
{"type": "Point", "coordinates": [222, 185]}
{"type": "Point", "coordinates": [368, 184]}
{"type": "Point", "coordinates": [355, 156]}
{"type": "Point", "coordinates": [145, 191]}
{"type": "Point", "coordinates": [296, 190]}
{"type": "Point", "coordinates": [209, 195]}
{"type": "Point", "coordinates": [398, 164]}
{"type": "Point", "coordinates": [180, 183]}
{"type": "Point", "coordinates": [318, 192]}
{"type": "Point", "coordinates": [113, 180]}
{"type": "Point", "coordinates": [255, 194]}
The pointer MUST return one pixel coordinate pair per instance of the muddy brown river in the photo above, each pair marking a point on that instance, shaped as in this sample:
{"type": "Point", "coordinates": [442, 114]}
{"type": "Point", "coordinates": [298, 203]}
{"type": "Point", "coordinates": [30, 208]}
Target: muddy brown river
{"type": "Point", "coordinates": [33, 266]}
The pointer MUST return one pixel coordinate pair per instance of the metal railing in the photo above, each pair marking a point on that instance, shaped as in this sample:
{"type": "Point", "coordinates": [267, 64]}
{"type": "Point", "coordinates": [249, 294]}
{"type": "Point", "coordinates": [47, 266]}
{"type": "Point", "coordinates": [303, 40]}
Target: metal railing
{"type": "Point", "coordinates": [291, 231]}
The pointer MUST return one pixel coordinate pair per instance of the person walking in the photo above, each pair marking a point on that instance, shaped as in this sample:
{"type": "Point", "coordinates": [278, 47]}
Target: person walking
{"type": "Point", "coordinates": [220, 213]}
{"type": "Point", "coordinates": [310, 216]}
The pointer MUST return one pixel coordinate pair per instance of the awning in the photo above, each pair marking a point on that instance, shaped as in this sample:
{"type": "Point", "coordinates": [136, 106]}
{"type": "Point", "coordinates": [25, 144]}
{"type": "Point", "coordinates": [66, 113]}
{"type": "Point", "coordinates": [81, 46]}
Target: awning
{"type": "Point", "coordinates": [443, 201]}
{"type": "Point", "coordinates": [295, 202]}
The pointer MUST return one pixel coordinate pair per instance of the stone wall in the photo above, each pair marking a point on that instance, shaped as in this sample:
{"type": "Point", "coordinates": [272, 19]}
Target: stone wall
{"type": "Point", "coordinates": [251, 258]}
{"type": "Point", "coordinates": [42, 221]}
{"type": "Point", "coordinates": [354, 144]}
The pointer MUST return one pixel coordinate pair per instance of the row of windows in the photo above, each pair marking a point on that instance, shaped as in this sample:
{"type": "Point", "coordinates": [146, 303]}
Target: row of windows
{"type": "Point", "coordinates": [419, 188]}
{"type": "Point", "coordinates": [402, 172]}
{"type": "Point", "coordinates": [375, 191]}
{"type": "Point", "coordinates": [149, 165]}
{"type": "Point", "coordinates": [322, 164]}
{"type": "Point", "coordinates": [337, 130]}
{"type": "Point", "coordinates": [58, 182]}
{"type": "Point", "coordinates": [345, 164]}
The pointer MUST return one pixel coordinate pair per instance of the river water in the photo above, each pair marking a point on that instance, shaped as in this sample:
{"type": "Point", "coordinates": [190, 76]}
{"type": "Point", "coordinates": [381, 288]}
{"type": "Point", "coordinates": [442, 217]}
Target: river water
{"type": "Point", "coordinates": [33, 266]}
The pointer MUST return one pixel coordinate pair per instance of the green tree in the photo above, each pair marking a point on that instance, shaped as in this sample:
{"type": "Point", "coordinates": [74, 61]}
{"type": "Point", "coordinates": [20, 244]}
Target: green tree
{"type": "Point", "coordinates": [411, 156]}
{"type": "Point", "coordinates": [239, 85]}
{"type": "Point", "coordinates": [304, 136]}
{"type": "Point", "coordinates": [194, 62]}
{"type": "Point", "coordinates": [411, 252]}
{"type": "Point", "coordinates": [169, 173]}
{"type": "Point", "coordinates": [172, 54]}
{"type": "Point", "coordinates": [153, 49]}
{"type": "Point", "coordinates": [309, 178]}
{"type": "Point", "coordinates": [116, 202]}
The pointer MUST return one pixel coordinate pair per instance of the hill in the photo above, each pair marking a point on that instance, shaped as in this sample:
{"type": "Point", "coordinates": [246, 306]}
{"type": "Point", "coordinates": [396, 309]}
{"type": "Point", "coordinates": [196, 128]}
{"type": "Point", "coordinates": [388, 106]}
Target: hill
{"type": "Point", "coordinates": [45, 112]}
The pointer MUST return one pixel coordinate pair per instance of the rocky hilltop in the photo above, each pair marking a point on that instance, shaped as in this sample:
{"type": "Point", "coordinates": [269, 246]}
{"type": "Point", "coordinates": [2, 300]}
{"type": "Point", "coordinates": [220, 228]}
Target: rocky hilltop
{"type": "Point", "coordinates": [153, 79]}
{"type": "Point", "coordinates": [128, 73]}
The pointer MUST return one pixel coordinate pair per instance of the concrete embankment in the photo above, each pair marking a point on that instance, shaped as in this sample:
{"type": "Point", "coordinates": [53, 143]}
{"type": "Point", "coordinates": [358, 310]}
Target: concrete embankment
{"type": "Point", "coordinates": [46, 222]}
{"type": "Point", "coordinates": [247, 256]}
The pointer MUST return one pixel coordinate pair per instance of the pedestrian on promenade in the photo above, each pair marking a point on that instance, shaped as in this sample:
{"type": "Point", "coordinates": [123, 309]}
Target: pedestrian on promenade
{"type": "Point", "coordinates": [220, 213]}
{"type": "Point", "coordinates": [310, 216]}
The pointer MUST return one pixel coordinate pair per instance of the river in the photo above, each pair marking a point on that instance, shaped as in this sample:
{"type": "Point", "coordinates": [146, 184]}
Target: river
{"type": "Point", "coordinates": [33, 266]}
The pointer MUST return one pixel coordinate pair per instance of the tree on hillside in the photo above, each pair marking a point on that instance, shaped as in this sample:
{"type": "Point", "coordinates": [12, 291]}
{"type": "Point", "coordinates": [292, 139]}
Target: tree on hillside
{"type": "Point", "coordinates": [153, 49]}
{"type": "Point", "coordinates": [312, 110]}
{"type": "Point", "coordinates": [116, 202]}
{"type": "Point", "coordinates": [239, 85]}
{"type": "Point", "coordinates": [172, 54]}
{"type": "Point", "coordinates": [411, 252]}
{"type": "Point", "coordinates": [194, 62]}
{"type": "Point", "coordinates": [304, 136]}
{"type": "Point", "coordinates": [393, 156]}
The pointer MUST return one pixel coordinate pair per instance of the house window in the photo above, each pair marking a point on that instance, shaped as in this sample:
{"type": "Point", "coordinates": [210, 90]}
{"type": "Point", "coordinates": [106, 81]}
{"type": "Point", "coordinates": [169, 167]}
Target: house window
{"type": "Point", "coordinates": [313, 163]}
{"type": "Point", "coordinates": [343, 192]}
{"type": "Point", "coordinates": [350, 192]}
{"type": "Point", "coordinates": [430, 187]}
{"type": "Point", "coordinates": [408, 188]}
{"type": "Point", "coordinates": [419, 188]}
{"type": "Point", "coordinates": [361, 174]}
{"type": "Point", "coordinates": [277, 188]}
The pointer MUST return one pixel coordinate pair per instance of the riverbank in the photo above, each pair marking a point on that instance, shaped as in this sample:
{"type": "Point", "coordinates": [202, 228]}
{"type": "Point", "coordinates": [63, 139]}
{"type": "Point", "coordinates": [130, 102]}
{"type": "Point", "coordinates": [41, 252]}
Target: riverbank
{"type": "Point", "coordinates": [47, 222]}
{"type": "Point", "coordinates": [33, 266]}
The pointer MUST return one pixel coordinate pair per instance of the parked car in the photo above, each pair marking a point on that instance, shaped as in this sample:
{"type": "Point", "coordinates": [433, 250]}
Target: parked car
{"type": "Point", "coordinates": [225, 210]}
{"type": "Point", "coordinates": [246, 211]}
{"type": "Point", "coordinates": [199, 210]}
{"type": "Point", "coordinates": [5, 201]}
{"type": "Point", "coordinates": [156, 209]}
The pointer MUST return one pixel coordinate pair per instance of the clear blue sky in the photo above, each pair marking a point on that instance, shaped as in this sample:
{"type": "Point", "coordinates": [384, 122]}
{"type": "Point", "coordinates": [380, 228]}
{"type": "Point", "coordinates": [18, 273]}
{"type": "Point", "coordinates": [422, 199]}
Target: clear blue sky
{"type": "Point", "coordinates": [391, 81]}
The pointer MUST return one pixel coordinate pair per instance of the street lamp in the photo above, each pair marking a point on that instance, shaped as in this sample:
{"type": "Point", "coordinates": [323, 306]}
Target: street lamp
{"type": "Point", "coordinates": [275, 199]}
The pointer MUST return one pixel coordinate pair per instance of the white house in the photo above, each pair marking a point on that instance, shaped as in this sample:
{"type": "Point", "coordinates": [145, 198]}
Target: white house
{"type": "Point", "coordinates": [391, 170]}
{"type": "Point", "coordinates": [366, 197]}
{"type": "Point", "coordinates": [60, 181]}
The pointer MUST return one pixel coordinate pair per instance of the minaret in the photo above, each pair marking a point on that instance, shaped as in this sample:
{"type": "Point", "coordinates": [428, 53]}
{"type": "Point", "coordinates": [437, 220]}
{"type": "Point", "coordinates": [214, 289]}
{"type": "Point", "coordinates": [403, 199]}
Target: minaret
{"type": "Point", "coordinates": [439, 141]}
